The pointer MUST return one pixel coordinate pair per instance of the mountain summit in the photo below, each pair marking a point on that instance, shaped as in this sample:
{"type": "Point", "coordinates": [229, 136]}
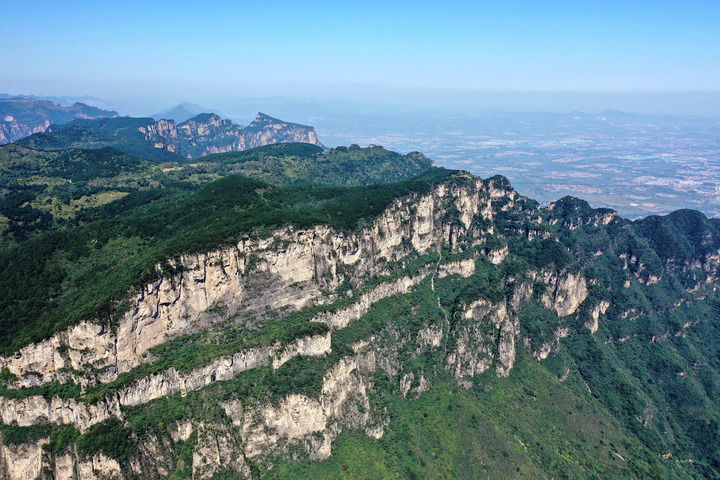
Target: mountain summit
{"type": "Point", "coordinates": [264, 119]}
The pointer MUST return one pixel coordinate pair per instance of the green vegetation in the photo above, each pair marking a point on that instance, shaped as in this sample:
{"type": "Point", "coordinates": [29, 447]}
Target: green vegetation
{"type": "Point", "coordinates": [527, 426]}
{"type": "Point", "coordinates": [304, 163]}
{"type": "Point", "coordinates": [12, 435]}
{"type": "Point", "coordinates": [120, 133]}
{"type": "Point", "coordinates": [654, 363]}
{"type": "Point", "coordinates": [111, 438]}
{"type": "Point", "coordinates": [538, 324]}
{"type": "Point", "coordinates": [42, 190]}
{"type": "Point", "coordinates": [639, 398]}
{"type": "Point", "coordinates": [60, 277]}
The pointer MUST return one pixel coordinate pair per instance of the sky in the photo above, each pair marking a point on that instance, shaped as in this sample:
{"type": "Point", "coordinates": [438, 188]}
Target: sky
{"type": "Point", "coordinates": [427, 53]}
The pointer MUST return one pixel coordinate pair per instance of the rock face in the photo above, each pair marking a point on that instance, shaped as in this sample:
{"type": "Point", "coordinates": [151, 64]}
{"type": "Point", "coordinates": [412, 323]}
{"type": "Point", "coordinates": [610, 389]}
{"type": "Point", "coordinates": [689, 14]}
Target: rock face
{"type": "Point", "coordinates": [567, 292]}
{"type": "Point", "coordinates": [216, 451]}
{"type": "Point", "coordinates": [485, 336]}
{"type": "Point", "coordinates": [99, 467]}
{"type": "Point", "coordinates": [21, 117]}
{"type": "Point", "coordinates": [252, 276]}
{"type": "Point", "coordinates": [22, 462]}
{"type": "Point", "coordinates": [266, 278]}
{"type": "Point", "coordinates": [208, 133]}
{"type": "Point", "coordinates": [597, 310]}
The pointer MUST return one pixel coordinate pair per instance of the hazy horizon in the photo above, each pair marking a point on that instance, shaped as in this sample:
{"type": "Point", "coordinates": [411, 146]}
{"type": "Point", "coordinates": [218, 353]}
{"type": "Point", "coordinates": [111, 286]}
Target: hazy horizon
{"type": "Point", "coordinates": [243, 109]}
{"type": "Point", "coordinates": [473, 85]}
{"type": "Point", "coordinates": [659, 58]}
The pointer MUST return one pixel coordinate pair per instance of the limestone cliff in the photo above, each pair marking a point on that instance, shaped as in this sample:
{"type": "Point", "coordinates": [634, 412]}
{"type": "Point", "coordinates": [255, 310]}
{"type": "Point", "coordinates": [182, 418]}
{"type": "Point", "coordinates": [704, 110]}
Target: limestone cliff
{"type": "Point", "coordinates": [208, 133]}
{"type": "Point", "coordinates": [346, 283]}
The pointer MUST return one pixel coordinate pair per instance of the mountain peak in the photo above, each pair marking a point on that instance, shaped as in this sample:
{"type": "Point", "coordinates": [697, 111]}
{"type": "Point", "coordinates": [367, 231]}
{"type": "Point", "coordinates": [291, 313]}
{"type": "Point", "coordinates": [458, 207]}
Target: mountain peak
{"type": "Point", "coordinates": [204, 117]}
{"type": "Point", "coordinates": [264, 118]}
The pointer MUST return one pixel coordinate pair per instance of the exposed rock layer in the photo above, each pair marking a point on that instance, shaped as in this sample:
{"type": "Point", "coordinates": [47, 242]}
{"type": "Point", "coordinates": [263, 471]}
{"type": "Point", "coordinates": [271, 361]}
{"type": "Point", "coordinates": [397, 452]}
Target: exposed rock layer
{"type": "Point", "coordinates": [208, 133]}
{"type": "Point", "coordinates": [287, 271]}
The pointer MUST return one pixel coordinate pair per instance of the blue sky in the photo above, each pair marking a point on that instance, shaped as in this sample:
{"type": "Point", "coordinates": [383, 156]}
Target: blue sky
{"type": "Point", "coordinates": [354, 49]}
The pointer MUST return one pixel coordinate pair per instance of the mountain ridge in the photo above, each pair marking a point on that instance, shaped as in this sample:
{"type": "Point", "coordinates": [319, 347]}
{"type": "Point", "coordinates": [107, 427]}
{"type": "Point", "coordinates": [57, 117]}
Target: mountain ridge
{"type": "Point", "coordinates": [166, 140]}
{"type": "Point", "coordinates": [24, 116]}
{"type": "Point", "coordinates": [447, 285]}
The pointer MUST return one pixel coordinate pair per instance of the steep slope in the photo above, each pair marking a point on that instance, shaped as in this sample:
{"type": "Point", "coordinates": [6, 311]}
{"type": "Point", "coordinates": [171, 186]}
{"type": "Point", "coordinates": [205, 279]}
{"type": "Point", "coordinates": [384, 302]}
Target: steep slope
{"type": "Point", "coordinates": [443, 327]}
{"type": "Point", "coordinates": [266, 129]}
{"type": "Point", "coordinates": [21, 117]}
{"type": "Point", "coordinates": [165, 140]}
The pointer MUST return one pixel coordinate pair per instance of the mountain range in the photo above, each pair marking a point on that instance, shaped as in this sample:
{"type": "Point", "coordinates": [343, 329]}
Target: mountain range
{"type": "Point", "coordinates": [166, 140]}
{"type": "Point", "coordinates": [287, 311]}
{"type": "Point", "coordinates": [23, 116]}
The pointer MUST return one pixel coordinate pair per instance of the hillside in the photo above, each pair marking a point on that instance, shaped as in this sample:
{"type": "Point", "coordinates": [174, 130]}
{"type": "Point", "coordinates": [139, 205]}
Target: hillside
{"type": "Point", "coordinates": [303, 163]}
{"type": "Point", "coordinates": [442, 326]}
{"type": "Point", "coordinates": [21, 116]}
{"type": "Point", "coordinates": [44, 190]}
{"type": "Point", "coordinates": [165, 140]}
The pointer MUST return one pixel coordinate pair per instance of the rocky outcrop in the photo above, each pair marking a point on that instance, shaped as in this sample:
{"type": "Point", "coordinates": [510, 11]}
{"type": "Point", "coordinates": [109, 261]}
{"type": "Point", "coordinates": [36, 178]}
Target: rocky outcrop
{"type": "Point", "coordinates": [496, 256]}
{"type": "Point", "coordinates": [37, 410]}
{"type": "Point", "coordinates": [99, 467]}
{"type": "Point", "coordinates": [265, 130]}
{"type": "Point", "coordinates": [566, 291]}
{"type": "Point", "coordinates": [216, 451]}
{"type": "Point", "coordinates": [595, 313]}
{"type": "Point", "coordinates": [171, 381]}
{"type": "Point", "coordinates": [253, 276]}
{"type": "Point", "coordinates": [307, 422]}
{"type": "Point", "coordinates": [63, 466]}
{"type": "Point", "coordinates": [291, 420]}
{"type": "Point", "coordinates": [485, 336]}
{"type": "Point", "coordinates": [208, 133]}
{"type": "Point", "coordinates": [21, 462]}
{"type": "Point", "coordinates": [464, 268]}
{"type": "Point", "coordinates": [12, 130]}
{"type": "Point", "coordinates": [315, 346]}
{"type": "Point", "coordinates": [346, 316]}
{"type": "Point", "coordinates": [260, 278]}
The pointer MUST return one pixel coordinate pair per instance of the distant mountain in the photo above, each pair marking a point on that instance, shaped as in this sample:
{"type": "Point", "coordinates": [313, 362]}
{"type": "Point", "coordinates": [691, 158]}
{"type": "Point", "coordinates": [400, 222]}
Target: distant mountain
{"type": "Point", "coordinates": [64, 100]}
{"type": "Point", "coordinates": [166, 140]}
{"type": "Point", "coordinates": [180, 113]}
{"type": "Point", "coordinates": [23, 116]}
{"type": "Point", "coordinates": [208, 133]}
{"type": "Point", "coordinates": [121, 133]}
